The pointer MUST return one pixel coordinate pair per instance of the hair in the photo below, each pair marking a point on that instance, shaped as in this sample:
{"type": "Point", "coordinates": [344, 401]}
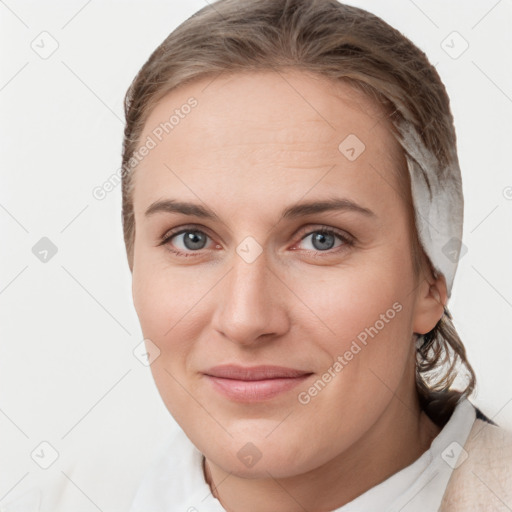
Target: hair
{"type": "Point", "coordinates": [337, 42]}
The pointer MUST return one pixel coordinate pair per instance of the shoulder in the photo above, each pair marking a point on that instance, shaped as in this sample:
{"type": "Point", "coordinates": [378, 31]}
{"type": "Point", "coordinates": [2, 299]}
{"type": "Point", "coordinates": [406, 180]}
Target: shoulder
{"type": "Point", "coordinates": [482, 478]}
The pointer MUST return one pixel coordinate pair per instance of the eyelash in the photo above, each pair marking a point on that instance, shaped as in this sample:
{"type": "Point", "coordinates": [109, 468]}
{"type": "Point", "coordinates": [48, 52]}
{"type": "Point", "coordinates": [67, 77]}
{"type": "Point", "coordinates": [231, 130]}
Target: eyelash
{"type": "Point", "coordinates": [348, 241]}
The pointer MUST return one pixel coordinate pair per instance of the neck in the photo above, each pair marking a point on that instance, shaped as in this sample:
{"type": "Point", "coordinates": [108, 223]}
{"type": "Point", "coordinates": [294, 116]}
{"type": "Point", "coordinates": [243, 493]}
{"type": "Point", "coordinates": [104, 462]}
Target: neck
{"type": "Point", "coordinates": [408, 432]}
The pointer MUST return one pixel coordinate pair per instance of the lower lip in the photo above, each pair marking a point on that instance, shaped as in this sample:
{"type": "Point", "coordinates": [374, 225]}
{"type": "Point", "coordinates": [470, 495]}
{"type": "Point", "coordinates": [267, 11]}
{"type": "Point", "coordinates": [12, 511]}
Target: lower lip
{"type": "Point", "coordinates": [254, 390]}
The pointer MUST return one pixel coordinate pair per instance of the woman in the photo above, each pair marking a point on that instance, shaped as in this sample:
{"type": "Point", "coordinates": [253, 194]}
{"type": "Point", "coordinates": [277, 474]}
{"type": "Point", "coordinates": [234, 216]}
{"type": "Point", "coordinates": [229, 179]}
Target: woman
{"type": "Point", "coordinates": [292, 213]}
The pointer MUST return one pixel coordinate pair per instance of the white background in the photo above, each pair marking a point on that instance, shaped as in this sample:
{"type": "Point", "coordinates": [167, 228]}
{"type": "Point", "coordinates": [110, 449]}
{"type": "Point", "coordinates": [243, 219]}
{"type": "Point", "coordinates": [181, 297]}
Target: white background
{"type": "Point", "coordinates": [68, 327]}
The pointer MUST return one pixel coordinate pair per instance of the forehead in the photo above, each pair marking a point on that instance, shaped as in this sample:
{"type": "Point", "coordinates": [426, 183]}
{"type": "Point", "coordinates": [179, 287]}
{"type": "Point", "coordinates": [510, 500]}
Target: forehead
{"type": "Point", "coordinates": [252, 129]}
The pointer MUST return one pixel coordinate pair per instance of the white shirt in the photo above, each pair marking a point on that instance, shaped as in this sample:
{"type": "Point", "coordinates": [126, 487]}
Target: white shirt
{"type": "Point", "coordinates": [175, 482]}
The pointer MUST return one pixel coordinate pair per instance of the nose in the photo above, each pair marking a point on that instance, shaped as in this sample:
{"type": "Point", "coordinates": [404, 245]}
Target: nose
{"type": "Point", "coordinates": [251, 303]}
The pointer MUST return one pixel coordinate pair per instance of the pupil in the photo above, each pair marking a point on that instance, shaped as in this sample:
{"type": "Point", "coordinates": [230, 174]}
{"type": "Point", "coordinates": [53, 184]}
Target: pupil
{"type": "Point", "coordinates": [322, 243]}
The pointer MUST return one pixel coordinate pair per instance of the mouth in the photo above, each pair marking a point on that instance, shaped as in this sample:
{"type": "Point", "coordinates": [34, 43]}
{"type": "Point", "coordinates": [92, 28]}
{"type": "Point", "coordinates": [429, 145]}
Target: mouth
{"type": "Point", "coordinates": [254, 384]}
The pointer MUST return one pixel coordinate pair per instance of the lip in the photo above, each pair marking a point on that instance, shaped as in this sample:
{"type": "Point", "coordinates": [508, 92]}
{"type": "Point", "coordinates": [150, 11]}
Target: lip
{"type": "Point", "coordinates": [254, 383]}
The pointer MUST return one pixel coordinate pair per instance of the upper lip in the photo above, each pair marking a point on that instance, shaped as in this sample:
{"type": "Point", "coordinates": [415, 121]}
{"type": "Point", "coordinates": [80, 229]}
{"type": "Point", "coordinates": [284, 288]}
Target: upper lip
{"type": "Point", "coordinates": [262, 372]}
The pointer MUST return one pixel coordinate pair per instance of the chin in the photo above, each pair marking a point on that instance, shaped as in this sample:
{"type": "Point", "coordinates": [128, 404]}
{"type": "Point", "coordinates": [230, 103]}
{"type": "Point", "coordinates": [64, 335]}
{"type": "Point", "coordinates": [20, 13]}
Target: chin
{"type": "Point", "coordinates": [257, 457]}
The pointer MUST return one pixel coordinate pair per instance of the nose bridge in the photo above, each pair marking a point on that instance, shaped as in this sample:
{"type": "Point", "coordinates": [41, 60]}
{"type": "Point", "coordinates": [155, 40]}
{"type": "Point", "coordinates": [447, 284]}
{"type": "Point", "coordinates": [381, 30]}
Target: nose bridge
{"type": "Point", "coordinates": [248, 305]}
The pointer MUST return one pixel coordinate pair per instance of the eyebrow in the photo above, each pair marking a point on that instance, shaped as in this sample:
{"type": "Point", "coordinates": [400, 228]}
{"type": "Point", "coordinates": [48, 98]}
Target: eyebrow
{"type": "Point", "coordinates": [292, 212]}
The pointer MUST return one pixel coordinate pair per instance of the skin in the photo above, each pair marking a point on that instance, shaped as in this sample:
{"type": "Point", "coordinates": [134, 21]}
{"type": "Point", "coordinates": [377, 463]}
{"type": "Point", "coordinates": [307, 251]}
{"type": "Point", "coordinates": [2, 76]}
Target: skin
{"type": "Point", "coordinates": [255, 144]}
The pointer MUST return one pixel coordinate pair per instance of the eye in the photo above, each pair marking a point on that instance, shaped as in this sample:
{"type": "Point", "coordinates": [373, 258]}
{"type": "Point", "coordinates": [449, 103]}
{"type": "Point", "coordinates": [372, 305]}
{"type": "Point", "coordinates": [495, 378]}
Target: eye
{"type": "Point", "coordinates": [325, 239]}
{"type": "Point", "coordinates": [185, 242]}
{"type": "Point", "coordinates": [188, 241]}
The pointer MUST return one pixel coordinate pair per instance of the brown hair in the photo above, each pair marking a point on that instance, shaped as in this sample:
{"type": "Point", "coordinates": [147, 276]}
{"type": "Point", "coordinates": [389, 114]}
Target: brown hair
{"type": "Point", "coordinates": [336, 41]}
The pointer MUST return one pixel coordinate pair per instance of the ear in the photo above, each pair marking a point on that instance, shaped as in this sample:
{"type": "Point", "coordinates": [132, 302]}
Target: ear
{"type": "Point", "coordinates": [430, 301]}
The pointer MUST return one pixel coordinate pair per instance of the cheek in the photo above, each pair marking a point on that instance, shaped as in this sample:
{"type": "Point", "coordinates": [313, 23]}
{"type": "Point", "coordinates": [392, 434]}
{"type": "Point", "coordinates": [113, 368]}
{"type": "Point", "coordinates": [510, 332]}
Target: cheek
{"type": "Point", "coordinates": [368, 311]}
{"type": "Point", "coordinates": [368, 357]}
{"type": "Point", "coordinates": [165, 308]}
{"type": "Point", "coordinates": [351, 300]}
{"type": "Point", "coordinates": [162, 296]}
{"type": "Point", "coordinates": [172, 309]}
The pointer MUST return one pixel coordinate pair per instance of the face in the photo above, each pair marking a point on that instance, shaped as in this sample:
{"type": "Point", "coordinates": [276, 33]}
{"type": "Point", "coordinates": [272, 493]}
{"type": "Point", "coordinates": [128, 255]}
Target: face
{"type": "Point", "coordinates": [272, 268]}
